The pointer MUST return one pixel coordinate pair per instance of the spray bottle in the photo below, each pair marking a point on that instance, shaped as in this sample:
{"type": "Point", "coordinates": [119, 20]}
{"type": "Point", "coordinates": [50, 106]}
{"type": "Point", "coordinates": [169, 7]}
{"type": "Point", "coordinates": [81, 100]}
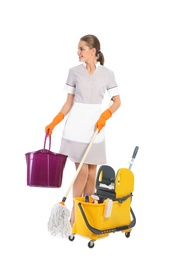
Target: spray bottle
{"type": "Point", "coordinates": [108, 208]}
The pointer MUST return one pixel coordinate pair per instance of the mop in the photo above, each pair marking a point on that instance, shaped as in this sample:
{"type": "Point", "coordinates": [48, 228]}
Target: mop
{"type": "Point", "coordinates": [58, 223]}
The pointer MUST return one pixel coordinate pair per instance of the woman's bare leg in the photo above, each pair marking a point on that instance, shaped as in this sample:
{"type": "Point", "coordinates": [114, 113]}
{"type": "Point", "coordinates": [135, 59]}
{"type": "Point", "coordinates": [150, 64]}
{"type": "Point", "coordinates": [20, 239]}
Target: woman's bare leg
{"type": "Point", "coordinates": [91, 180]}
{"type": "Point", "coordinates": [80, 182]}
{"type": "Point", "coordinates": [84, 184]}
{"type": "Point", "coordinates": [79, 186]}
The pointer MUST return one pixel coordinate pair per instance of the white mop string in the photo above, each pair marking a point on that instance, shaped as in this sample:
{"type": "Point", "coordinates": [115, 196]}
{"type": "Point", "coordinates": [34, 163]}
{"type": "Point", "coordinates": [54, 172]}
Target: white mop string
{"type": "Point", "coordinates": [58, 223]}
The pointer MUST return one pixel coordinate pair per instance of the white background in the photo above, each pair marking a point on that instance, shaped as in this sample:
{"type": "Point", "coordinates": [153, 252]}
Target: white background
{"type": "Point", "coordinates": [37, 47]}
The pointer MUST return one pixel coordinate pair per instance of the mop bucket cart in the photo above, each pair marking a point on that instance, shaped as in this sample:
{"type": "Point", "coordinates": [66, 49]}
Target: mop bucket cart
{"type": "Point", "coordinates": [98, 220]}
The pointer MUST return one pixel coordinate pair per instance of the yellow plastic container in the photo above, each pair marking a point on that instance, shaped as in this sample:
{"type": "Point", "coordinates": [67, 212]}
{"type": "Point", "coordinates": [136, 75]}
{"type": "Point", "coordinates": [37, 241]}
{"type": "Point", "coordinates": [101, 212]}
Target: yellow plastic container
{"type": "Point", "coordinates": [95, 213]}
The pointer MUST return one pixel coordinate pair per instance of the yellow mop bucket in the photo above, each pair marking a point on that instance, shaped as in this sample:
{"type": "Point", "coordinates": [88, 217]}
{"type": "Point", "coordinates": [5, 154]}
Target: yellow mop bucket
{"type": "Point", "coordinates": [112, 212]}
{"type": "Point", "coordinates": [91, 222]}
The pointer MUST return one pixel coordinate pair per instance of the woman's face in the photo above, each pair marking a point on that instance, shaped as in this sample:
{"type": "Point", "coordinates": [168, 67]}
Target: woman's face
{"type": "Point", "coordinates": [85, 53]}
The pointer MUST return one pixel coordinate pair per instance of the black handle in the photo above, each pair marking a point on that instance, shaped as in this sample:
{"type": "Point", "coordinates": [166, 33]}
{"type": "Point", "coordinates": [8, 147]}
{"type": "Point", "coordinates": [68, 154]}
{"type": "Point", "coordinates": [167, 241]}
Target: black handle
{"type": "Point", "coordinates": [135, 152]}
{"type": "Point", "coordinates": [99, 232]}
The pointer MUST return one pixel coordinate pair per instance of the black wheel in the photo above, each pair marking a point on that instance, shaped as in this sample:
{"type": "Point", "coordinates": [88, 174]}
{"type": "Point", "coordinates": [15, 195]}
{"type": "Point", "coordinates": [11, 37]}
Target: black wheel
{"type": "Point", "coordinates": [127, 234]}
{"type": "Point", "coordinates": [91, 244]}
{"type": "Point", "coordinates": [71, 237]}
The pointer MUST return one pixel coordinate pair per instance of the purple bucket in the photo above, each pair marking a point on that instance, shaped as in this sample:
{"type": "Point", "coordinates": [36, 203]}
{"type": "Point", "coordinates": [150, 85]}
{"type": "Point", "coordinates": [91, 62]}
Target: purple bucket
{"type": "Point", "coordinates": [45, 168]}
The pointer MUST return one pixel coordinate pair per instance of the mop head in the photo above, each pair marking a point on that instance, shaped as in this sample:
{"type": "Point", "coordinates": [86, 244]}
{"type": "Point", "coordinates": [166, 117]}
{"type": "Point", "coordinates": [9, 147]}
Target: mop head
{"type": "Point", "coordinates": [58, 223]}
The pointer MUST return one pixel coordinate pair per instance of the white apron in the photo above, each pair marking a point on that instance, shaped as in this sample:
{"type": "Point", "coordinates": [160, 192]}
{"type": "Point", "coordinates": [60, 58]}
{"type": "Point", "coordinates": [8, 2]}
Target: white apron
{"type": "Point", "coordinates": [81, 122]}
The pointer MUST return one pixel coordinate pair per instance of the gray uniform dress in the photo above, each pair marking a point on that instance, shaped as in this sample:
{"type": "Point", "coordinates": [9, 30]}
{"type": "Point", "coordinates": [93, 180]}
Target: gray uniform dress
{"type": "Point", "coordinates": [88, 91]}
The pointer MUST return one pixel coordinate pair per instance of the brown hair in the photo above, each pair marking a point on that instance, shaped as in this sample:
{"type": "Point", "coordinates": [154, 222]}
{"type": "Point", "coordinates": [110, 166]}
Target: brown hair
{"type": "Point", "coordinates": [93, 42]}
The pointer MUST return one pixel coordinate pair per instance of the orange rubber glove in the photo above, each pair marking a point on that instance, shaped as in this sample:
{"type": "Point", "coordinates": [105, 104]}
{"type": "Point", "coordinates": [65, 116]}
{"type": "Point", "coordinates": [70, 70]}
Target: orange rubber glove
{"type": "Point", "coordinates": [49, 128]}
{"type": "Point", "coordinates": [102, 120]}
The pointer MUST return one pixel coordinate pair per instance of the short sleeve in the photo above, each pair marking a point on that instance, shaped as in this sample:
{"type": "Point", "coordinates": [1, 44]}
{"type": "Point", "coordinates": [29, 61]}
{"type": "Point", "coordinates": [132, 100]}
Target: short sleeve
{"type": "Point", "coordinates": [112, 86]}
{"type": "Point", "coordinates": [70, 85]}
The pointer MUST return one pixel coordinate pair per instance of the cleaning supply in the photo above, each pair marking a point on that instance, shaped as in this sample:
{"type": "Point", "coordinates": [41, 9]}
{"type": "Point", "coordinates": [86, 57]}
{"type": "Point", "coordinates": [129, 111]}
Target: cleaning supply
{"type": "Point", "coordinates": [108, 208]}
{"type": "Point", "coordinates": [95, 199]}
{"type": "Point", "coordinates": [86, 198]}
{"type": "Point", "coordinates": [58, 223]}
{"type": "Point", "coordinates": [102, 120]}
{"type": "Point", "coordinates": [96, 221]}
{"type": "Point", "coordinates": [49, 128]}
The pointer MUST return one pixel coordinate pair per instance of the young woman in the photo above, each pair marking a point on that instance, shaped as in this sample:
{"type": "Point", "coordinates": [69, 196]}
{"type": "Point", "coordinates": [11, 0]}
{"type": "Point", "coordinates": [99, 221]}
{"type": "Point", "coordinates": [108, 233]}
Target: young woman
{"type": "Point", "coordinates": [86, 86]}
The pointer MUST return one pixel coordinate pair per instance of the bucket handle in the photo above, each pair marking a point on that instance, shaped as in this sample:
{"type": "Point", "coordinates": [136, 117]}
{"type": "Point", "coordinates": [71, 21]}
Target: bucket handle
{"type": "Point", "coordinates": [45, 139]}
{"type": "Point", "coordinates": [111, 230]}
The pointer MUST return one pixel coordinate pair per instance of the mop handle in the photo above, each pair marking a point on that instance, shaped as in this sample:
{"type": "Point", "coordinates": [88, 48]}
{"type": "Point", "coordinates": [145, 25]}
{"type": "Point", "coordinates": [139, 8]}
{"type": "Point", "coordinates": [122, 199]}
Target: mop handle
{"type": "Point", "coordinates": [81, 163]}
{"type": "Point", "coordinates": [133, 156]}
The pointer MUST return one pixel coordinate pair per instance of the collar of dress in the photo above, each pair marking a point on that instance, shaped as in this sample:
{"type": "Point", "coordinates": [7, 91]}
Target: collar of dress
{"type": "Point", "coordinates": [97, 64]}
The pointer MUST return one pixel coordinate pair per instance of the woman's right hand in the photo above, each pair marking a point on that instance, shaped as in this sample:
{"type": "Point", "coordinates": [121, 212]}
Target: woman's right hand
{"type": "Point", "coordinates": [49, 128]}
